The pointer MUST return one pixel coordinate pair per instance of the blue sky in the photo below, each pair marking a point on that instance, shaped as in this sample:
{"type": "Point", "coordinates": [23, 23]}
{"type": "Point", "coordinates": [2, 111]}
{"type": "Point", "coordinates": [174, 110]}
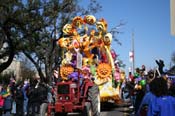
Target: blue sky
{"type": "Point", "coordinates": [150, 22]}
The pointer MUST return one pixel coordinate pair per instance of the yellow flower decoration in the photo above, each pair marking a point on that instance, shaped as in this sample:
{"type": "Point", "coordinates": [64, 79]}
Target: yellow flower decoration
{"type": "Point", "coordinates": [104, 70]}
{"type": "Point", "coordinates": [63, 42]}
{"type": "Point", "coordinates": [89, 19]}
{"type": "Point", "coordinates": [77, 21]}
{"type": "Point", "coordinates": [65, 71]}
{"type": "Point", "coordinates": [101, 25]}
{"type": "Point", "coordinates": [68, 29]}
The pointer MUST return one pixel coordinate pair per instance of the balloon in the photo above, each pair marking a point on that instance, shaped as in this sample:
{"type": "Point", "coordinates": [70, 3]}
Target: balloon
{"type": "Point", "coordinates": [143, 82]}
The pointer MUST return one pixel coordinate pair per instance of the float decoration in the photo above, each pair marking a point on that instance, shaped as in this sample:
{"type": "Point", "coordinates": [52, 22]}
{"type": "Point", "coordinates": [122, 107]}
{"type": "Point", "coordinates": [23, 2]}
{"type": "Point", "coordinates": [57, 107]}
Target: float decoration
{"type": "Point", "coordinates": [65, 71]}
{"type": "Point", "coordinates": [104, 70]}
{"type": "Point", "coordinates": [89, 37]}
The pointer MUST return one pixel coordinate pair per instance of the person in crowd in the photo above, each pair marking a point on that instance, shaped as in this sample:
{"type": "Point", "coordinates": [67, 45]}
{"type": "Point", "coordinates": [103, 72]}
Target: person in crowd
{"type": "Point", "coordinates": [148, 97]}
{"type": "Point", "coordinates": [50, 94]}
{"type": "Point", "coordinates": [125, 95]}
{"type": "Point", "coordinates": [139, 94]}
{"type": "Point", "coordinates": [13, 89]}
{"type": "Point", "coordinates": [130, 85]}
{"type": "Point", "coordinates": [7, 100]}
{"type": "Point", "coordinates": [171, 86]}
{"type": "Point", "coordinates": [25, 90]}
{"type": "Point", "coordinates": [55, 76]}
{"type": "Point", "coordinates": [1, 100]}
{"type": "Point", "coordinates": [1, 105]}
{"type": "Point", "coordinates": [19, 99]}
{"type": "Point", "coordinates": [37, 95]}
{"type": "Point", "coordinates": [139, 89]}
{"type": "Point", "coordinates": [33, 97]}
{"type": "Point", "coordinates": [131, 77]}
{"type": "Point", "coordinates": [13, 95]}
{"type": "Point", "coordinates": [161, 65]}
{"type": "Point", "coordinates": [164, 104]}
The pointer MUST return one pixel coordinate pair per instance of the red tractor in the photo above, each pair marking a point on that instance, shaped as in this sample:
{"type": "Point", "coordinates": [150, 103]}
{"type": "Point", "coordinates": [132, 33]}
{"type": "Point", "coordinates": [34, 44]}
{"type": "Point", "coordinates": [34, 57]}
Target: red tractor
{"type": "Point", "coordinates": [75, 97]}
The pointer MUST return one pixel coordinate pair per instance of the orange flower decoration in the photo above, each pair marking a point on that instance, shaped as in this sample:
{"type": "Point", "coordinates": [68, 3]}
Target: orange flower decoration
{"type": "Point", "coordinates": [77, 22]}
{"type": "Point", "coordinates": [104, 70]}
{"type": "Point", "coordinates": [89, 19]}
{"type": "Point", "coordinates": [68, 29]}
{"type": "Point", "coordinates": [102, 25]}
{"type": "Point", "coordinates": [65, 71]}
{"type": "Point", "coordinates": [63, 42]}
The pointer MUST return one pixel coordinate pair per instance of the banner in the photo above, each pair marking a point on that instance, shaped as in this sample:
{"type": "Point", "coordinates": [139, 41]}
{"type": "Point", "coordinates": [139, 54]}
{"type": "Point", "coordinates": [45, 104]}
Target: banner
{"type": "Point", "coordinates": [79, 60]}
{"type": "Point", "coordinates": [131, 56]}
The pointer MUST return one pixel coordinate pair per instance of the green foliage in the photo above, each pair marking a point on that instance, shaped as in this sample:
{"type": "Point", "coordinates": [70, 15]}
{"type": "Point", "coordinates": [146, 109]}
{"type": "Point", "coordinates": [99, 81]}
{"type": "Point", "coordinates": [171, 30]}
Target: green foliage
{"type": "Point", "coordinates": [32, 27]}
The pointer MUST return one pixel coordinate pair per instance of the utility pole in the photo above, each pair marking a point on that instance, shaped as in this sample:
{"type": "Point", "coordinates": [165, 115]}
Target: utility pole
{"type": "Point", "coordinates": [133, 51]}
{"type": "Point", "coordinates": [172, 13]}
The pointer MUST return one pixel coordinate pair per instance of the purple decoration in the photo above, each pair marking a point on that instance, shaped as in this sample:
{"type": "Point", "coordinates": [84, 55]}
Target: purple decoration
{"type": "Point", "coordinates": [75, 75]}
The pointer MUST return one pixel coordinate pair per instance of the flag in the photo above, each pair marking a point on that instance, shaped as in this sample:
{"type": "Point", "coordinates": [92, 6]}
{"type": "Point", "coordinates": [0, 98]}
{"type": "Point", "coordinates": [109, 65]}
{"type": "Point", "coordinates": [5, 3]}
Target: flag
{"type": "Point", "coordinates": [131, 56]}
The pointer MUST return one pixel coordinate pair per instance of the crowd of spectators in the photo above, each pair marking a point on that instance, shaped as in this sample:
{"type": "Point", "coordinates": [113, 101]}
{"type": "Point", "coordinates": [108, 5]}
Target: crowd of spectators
{"type": "Point", "coordinates": [151, 93]}
{"type": "Point", "coordinates": [23, 98]}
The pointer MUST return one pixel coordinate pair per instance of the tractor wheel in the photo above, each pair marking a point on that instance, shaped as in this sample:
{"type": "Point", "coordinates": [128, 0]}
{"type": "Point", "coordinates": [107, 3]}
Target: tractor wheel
{"type": "Point", "coordinates": [94, 96]}
{"type": "Point", "coordinates": [87, 109]}
{"type": "Point", "coordinates": [43, 109]}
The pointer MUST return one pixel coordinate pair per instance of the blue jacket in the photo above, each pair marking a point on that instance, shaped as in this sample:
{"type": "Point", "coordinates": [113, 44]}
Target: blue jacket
{"type": "Point", "coordinates": [147, 100]}
{"type": "Point", "coordinates": [162, 106]}
{"type": "Point", "coordinates": [24, 90]}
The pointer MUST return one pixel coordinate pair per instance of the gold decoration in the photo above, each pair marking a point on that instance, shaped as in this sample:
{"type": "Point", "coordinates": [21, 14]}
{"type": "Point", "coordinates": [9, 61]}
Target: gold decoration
{"type": "Point", "coordinates": [104, 70]}
{"type": "Point", "coordinates": [63, 42]}
{"type": "Point", "coordinates": [68, 29]}
{"type": "Point", "coordinates": [65, 71]}
{"type": "Point", "coordinates": [107, 39]}
{"type": "Point", "coordinates": [89, 19]}
{"type": "Point", "coordinates": [101, 25]}
{"type": "Point", "coordinates": [77, 21]}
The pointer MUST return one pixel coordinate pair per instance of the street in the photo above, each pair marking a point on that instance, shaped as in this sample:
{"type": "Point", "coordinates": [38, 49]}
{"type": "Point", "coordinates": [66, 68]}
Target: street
{"type": "Point", "coordinates": [109, 109]}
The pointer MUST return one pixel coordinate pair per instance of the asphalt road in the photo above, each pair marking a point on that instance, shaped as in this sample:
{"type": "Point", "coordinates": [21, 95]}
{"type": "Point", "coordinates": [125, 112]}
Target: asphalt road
{"type": "Point", "coordinates": [110, 109]}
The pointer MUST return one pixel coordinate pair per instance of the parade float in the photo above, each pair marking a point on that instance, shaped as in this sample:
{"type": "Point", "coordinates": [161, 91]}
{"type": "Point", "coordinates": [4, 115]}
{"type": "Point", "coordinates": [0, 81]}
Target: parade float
{"type": "Point", "coordinates": [86, 44]}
